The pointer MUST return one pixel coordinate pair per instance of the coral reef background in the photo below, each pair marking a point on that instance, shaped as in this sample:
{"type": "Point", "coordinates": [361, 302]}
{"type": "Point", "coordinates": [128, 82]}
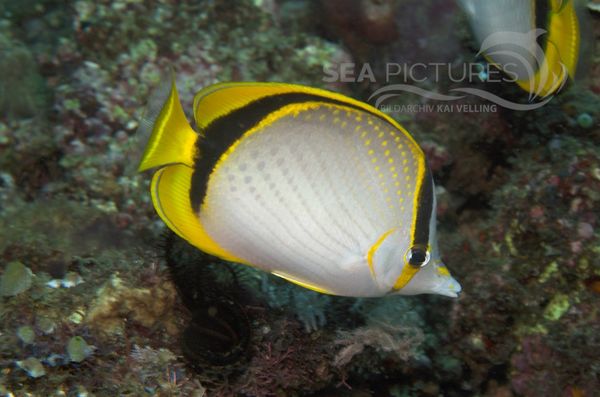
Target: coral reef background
{"type": "Point", "coordinates": [95, 300]}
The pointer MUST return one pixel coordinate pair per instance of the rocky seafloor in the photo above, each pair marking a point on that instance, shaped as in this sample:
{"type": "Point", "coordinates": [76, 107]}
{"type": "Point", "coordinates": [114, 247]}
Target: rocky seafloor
{"type": "Point", "coordinates": [97, 299]}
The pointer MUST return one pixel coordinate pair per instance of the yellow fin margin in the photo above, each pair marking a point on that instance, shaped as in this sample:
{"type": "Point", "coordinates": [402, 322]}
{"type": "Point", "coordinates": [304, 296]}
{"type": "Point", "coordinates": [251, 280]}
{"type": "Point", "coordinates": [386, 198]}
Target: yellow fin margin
{"type": "Point", "coordinates": [302, 283]}
{"type": "Point", "coordinates": [170, 196]}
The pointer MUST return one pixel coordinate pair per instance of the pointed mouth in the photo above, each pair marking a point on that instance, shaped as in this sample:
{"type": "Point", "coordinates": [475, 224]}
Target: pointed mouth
{"type": "Point", "coordinates": [449, 287]}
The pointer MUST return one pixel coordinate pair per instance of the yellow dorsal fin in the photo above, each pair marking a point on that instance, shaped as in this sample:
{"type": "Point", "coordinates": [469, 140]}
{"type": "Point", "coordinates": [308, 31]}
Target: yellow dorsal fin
{"type": "Point", "coordinates": [220, 99]}
{"type": "Point", "coordinates": [172, 140]}
{"type": "Point", "coordinates": [170, 195]}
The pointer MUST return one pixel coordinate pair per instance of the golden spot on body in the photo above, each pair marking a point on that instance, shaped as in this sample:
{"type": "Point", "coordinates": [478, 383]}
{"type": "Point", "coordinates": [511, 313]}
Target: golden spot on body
{"type": "Point", "coordinates": [374, 159]}
{"type": "Point", "coordinates": [358, 118]}
{"type": "Point", "coordinates": [380, 135]}
{"type": "Point", "coordinates": [384, 143]}
{"type": "Point", "coordinates": [370, 152]}
{"type": "Point", "coordinates": [377, 168]}
{"type": "Point", "coordinates": [407, 178]}
{"type": "Point", "coordinates": [391, 160]}
{"type": "Point", "coordinates": [308, 116]}
{"type": "Point", "coordinates": [362, 134]}
{"type": "Point", "coordinates": [386, 190]}
{"type": "Point", "coordinates": [395, 176]}
{"type": "Point", "coordinates": [397, 139]}
{"type": "Point", "coordinates": [388, 200]}
{"type": "Point", "coordinates": [367, 142]}
{"type": "Point", "coordinates": [405, 170]}
{"type": "Point", "coordinates": [380, 175]}
{"type": "Point", "coordinates": [392, 169]}
{"type": "Point", "coordinates": [404, 162]}
{"type": "Point", "coordinates": [399, 192]}
{"type": "Point", "coordinates": [403, 153]}
{"type": "Point", "coordinates": [397, 184]}
{"type": "Point", "coordinates": [369, 121]}
{"type": "Point", "coordinates": [336, 120]}
{"type": "Point", "coordinates": [386, 153]}
{"type": "Point", "coordinates": [344, 124]}
{"type": "Point", "coordinates": [322, 117]}
{"type": "Point", "coordinates": [402, 208]}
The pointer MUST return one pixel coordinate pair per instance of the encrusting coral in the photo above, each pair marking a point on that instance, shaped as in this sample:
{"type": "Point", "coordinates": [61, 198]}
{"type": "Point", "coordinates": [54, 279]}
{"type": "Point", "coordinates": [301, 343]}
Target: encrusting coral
{"type": "Point", "coordinates": [117, 303]}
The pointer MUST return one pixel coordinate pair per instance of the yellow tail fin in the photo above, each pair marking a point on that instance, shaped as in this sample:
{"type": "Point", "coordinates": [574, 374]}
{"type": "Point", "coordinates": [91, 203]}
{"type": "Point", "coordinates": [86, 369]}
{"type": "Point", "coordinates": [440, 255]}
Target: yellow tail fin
{"type": "Point", "coordinates": [565, 33]}
{"type": "Point", "coordinates": [172, 139]}
{"type": "Point", "coordinates": [562, 50]}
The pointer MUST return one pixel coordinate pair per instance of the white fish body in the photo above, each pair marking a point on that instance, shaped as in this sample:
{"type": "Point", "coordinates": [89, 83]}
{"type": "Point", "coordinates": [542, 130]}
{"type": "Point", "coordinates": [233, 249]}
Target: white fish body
{"type": "Point", "coordinates": [319, 189]}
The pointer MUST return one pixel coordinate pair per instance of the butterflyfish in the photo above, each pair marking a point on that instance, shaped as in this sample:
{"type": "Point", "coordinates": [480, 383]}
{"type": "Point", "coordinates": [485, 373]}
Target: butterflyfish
{"type": "Point", "coordinates": [537, 43]}
{"type": "Point", "coordinates": [310, 185]}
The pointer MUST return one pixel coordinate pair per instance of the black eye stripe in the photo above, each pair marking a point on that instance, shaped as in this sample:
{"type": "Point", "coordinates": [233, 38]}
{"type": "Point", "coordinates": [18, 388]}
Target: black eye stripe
{"type": "Point", "coordinates": [417, 257]}
{"type": "Point", "coordinates": [425, 198]}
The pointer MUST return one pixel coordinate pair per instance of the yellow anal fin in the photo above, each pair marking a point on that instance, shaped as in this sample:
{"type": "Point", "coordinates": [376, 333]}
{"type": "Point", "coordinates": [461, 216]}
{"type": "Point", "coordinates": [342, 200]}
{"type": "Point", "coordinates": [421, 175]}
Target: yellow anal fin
{"type": "Point", "coordinates": [303, 284]}
{"type": "Point", "coordinates": [172, 140]}
{"type": "Point", "coordinates": [170, 196]}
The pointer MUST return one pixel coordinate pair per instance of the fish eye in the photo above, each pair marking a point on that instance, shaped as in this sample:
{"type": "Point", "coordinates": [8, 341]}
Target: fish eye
{"type": "Point", "coordinates": [417, 256]}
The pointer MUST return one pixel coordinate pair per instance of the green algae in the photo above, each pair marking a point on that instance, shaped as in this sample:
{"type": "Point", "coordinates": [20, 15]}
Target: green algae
{"type": "Point", "coordinates": [46, 325]}
{"type": "Point", "coordinates": [22, 87]}
{"type": "Point", "coordinates": [59, 225]}
{"type": "Point", "coordinates": [32, 366]}
{"type": "Point", "coordinates": [78, 349]}
{"type": "Point", "coordinates": [551, 269]}
{"type": "Point", "coordinates": [557, 307]}
{"type": "Point", "coordinates": [16, 279]}
{"type": "Point", "coordinates": [536, 329]}
{"type": "Point", "coordinates": [26, 334]}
